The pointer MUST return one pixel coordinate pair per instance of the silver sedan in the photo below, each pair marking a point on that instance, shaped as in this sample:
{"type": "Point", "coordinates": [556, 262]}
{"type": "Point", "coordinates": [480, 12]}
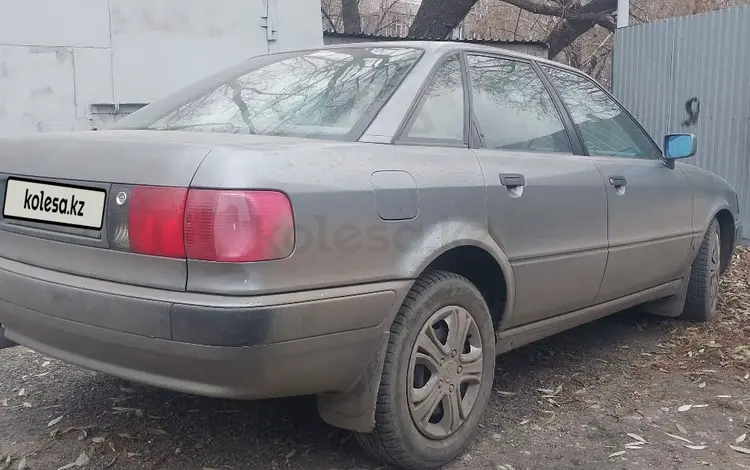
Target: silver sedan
{"type": "Point", "coordinates": [371, 224]}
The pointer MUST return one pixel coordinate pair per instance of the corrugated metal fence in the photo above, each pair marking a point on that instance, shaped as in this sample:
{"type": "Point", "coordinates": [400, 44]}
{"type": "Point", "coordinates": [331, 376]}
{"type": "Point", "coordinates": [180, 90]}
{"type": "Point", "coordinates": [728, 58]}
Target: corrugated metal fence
{"type": "Point", "coordinates": [691, 74]}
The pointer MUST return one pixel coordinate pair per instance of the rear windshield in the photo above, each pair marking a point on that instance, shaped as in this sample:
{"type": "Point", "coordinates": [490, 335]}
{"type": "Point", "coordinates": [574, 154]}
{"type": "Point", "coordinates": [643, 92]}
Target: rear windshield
{"type": "Point", "coordinates": [329, 94]}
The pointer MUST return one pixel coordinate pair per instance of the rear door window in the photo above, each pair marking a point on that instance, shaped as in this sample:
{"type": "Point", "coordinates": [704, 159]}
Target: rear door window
{"type": "Point", "coordinates": [514, 109]}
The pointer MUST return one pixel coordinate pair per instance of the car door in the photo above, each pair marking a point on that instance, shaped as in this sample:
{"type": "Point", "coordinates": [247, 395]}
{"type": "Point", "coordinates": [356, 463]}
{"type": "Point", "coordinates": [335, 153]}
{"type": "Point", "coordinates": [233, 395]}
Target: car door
{"type": "Point", "coordinates": [547, 205]}
{"type": "Point", "coordinates": [649, 205]}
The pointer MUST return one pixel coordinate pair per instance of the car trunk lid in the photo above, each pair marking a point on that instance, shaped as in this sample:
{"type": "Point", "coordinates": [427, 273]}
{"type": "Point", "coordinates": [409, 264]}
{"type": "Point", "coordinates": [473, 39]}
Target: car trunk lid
{"type": "Point", "coordinates": [56, 192]}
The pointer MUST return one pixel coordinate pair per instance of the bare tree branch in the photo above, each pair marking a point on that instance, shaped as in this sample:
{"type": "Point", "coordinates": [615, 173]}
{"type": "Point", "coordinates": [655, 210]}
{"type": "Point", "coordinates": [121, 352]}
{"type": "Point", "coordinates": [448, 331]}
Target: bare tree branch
{"type": "Point", "coordinates": [576, 14]}
{"type": "Point", "coordinates": [386, 10]}
{"type": "Point", "coordinates": [518, 20]}
{"type": "Point", "coordinates": [328, 18]}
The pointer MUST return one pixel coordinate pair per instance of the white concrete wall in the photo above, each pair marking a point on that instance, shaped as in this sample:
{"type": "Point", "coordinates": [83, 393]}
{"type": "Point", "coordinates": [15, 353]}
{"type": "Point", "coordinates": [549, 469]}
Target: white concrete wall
{"type": "Point", "coordinates": [58, 57]}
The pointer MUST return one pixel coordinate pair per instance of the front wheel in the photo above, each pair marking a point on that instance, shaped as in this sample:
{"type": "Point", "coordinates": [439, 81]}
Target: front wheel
{"type": "Point", "coordinates": [437, 377]}
{"type": "Point", "coordinates": [703, 286]}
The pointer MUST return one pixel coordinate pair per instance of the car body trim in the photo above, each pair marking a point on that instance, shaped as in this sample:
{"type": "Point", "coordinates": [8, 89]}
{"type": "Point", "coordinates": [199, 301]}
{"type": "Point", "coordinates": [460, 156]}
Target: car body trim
{"type": "Point", "coordinates": [519, 336]}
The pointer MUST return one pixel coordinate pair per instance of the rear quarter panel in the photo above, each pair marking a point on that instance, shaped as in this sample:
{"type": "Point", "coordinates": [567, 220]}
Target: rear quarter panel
{"type": "Point", "coordinates": [340, 238]}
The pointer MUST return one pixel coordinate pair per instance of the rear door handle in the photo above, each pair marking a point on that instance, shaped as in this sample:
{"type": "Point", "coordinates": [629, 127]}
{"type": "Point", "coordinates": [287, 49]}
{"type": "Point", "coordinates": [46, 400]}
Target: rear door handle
{"type": "Point", "coordinates": [618, 181]}
{"type": "Point", "coordinates": [512, 180]}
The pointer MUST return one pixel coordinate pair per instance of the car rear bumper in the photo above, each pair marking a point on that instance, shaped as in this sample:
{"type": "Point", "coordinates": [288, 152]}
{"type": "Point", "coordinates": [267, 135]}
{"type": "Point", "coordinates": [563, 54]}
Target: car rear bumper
{"type": "Point", "coordinates": [233, 347]}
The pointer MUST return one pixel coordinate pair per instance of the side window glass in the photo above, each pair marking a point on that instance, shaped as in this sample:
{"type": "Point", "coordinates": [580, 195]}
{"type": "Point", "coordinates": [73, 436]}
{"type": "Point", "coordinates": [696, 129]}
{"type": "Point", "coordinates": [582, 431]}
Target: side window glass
{"type": "Point", "coordinates": [605, 128]}
{"type": "Point", "coordinates": [514, 109]}
{"type": "Point", "coordinates": [441, 115]}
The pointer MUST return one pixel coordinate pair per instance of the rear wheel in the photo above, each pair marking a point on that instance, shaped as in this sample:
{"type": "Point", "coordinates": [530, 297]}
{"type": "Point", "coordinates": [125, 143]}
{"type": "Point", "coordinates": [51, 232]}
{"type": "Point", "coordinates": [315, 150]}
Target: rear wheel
{"type": "Point", "coordinates": [437, 376]}
{"type": "Point", "coordinates": [703, 287]}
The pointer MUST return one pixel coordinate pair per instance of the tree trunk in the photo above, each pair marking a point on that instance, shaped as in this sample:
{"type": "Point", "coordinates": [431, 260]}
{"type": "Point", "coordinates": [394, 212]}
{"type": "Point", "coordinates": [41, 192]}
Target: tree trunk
{"type": "Point", "coordinates": [567, 31]}
{"type": "Point", "coordinates": [438, 18]}
{"type": "Point", "coordinates": [352, 18]}
{"type": "Point", "coordinates": [564, 33]}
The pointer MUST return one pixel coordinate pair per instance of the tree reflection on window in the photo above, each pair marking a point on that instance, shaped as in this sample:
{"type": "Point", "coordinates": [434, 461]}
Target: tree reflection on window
{"type": "Point", "coordinates": [606, 129]}
{"type": "Point", "coordinates": [313, 94]}
{"type": "Point", "coordinates": [513, 108]}
{"type": "Point", "coordinates": [441, 116]}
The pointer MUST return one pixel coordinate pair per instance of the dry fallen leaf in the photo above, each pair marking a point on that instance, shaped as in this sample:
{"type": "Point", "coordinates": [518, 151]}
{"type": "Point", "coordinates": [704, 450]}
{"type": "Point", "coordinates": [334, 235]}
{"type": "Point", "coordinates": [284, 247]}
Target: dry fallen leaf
{"type": "Point", "coordinates": [681, 428]}
{"type": "Point", "coordinates": [616, 454]}
{"type": "Point", "coordinates": [743, 450]}
{"type": "Point", "coordinates": [26, 404]}
{"type": "Point", "coordinates": [22, 392]}
{"type": "Point", "coordinates": [122, 409]}
{"type": "Point", "coordinates": [125, 435]}
{"type": "Point", "coordinates": [702, 385]}
{"type": "Point", "coordinates": [694, 447]}
{"type": "Point", "coordinates": [700, 406]}
{"type": "Point", "coordinates": [684, 408]}
{"type": "Point", "coordinates": [97, 440]}
{"type": "Point", "coordinates": [111, 462]}
{"type": "Point", "coordinates": [525, 421]}
{"type": "Point", "coordinates": [636, 437]}
{"type": "Point", "coordinates": [505, 394]}
{"type": "Point", "coordinates": [81, 461]}
{"type": "Point", "coordinates": [678, 437]}
{"type": "Point", "coordinates": [157, 432]}
{"type": "Point", "coordinates": [22, 464]}
{"type": "Point", "coordinates": [55, 421]}
{"type": "Point", "coordinates": [741, 438]}
{"type": "Point", "coordinates": [62, 432]}
{"type": "Point", "coordinates": [45, 363]}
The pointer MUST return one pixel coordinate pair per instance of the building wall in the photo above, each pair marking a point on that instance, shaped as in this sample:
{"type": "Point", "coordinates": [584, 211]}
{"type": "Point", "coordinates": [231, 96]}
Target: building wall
{"type": "Point", "coordinates": [58, 58]}
{"type": "Point", "coordinates": [686, 75]}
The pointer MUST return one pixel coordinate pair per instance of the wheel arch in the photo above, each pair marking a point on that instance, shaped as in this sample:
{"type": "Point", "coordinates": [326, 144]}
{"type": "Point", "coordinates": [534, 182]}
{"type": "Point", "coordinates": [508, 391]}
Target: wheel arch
{"type": "Point", "coordinates": [491, 274]}
{"type": "Point", "coordinates": [437, 247]}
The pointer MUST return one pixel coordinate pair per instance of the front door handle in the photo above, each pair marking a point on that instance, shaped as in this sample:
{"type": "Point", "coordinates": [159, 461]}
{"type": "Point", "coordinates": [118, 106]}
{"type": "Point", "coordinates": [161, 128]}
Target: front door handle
{"type": "Point", "coordinates": [618, 181]}
{"type": "Point", "coordinates": [512, 180]}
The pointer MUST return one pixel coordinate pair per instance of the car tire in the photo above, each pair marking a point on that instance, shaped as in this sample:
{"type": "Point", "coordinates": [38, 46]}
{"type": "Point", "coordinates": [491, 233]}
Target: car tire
{"type": "Point", "coordinates": [703, 286]}
{"type": "Point", "coordinates": [432, 394]}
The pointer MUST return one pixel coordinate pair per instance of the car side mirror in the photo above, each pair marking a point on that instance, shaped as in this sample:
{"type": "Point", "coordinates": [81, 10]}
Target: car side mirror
{"type": "Point", "coordinates": [678, 146]}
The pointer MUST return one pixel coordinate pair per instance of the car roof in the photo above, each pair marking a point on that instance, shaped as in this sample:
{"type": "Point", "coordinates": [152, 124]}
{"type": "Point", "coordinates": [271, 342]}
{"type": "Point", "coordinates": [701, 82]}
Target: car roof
{"type": "Point", "coordinates": [445, 45]}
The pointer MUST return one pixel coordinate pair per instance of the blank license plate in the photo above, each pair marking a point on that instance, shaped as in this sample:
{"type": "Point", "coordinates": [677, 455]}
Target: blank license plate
{"type": "Point", "coordinates": [54, 203]}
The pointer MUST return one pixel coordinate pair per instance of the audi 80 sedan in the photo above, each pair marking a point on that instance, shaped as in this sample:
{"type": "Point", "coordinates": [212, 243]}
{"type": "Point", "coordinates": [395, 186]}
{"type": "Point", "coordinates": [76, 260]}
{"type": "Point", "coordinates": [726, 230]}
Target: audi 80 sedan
{"type": "Point", "coordinates": [371, 224]}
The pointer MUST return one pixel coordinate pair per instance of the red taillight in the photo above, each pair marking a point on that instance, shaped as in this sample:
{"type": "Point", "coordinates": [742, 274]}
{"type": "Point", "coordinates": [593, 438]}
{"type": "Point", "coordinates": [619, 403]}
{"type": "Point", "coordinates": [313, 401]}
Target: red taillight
{"type": "Point", "coordinates": [155, 221]}
{"type": "Point", "coordinates": [237, 225]}
{"type": "Point", "coordinates": [211, 225]}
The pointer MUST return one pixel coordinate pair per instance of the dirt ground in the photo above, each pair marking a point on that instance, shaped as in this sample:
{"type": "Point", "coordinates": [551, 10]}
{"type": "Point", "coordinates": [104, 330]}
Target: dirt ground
{"type": "Point", "coordinates": [630, 391]}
